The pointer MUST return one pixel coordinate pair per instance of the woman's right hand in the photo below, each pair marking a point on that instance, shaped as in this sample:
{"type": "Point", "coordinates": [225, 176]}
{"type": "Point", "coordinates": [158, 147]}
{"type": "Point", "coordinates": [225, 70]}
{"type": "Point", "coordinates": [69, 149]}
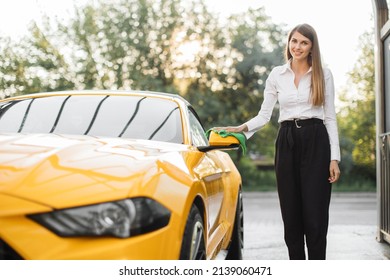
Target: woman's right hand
{"type": "Point", "coordinates": [235, 129]}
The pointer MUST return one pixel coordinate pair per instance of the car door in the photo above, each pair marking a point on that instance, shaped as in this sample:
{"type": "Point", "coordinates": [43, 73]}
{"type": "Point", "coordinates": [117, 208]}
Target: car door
{"type": "Point", "coordinates": [211, 171]}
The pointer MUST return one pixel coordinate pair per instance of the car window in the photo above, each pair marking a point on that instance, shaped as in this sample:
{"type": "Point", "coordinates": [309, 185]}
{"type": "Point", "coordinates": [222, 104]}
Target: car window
{"type": "Point", "coordinates": [197, 132]}
{"type": "Point", "coordinates": [136, 117]}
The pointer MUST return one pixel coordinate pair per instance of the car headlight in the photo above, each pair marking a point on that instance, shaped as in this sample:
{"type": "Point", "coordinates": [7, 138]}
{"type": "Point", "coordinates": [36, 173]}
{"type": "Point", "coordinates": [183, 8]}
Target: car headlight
{"type": "Point", "coordinates": [123, 218]}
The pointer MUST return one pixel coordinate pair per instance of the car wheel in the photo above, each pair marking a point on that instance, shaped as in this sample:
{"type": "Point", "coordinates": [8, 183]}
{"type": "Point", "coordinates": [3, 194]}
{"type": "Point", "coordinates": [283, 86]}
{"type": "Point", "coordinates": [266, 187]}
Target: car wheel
{"type": "Point", "coordinates": [237, 242]}
{"type": "Point", "coordinates": [193, 246]}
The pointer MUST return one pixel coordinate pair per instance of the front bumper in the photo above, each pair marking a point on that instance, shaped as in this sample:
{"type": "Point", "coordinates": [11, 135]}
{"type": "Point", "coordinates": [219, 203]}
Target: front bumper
{"type": "Point", "coordinates": [29, 240]}
{"type": "Point", "coordinates": [21, 237]}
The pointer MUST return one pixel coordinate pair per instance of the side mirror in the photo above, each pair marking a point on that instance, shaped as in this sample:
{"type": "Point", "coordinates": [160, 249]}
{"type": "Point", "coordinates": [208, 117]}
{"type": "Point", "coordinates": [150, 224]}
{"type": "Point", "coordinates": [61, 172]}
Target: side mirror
{"type": "Point", "coordinates": [216, 141]}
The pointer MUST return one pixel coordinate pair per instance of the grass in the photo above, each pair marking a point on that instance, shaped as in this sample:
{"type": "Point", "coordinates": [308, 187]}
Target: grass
{"type": "Point", "coordinates": [356, 186]}
{"type": "Point", "coordinates": [265, 181]}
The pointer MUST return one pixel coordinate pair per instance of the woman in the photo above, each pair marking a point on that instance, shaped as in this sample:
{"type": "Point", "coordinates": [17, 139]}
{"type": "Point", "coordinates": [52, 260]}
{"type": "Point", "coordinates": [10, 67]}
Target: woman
{"type": "Point", "coordinates": [307, 145]}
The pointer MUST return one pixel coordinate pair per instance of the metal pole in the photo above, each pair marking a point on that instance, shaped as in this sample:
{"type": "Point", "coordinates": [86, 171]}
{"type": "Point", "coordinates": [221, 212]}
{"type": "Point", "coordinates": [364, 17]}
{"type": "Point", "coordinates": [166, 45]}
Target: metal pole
{"type": "Point", "coordinates": [380, 9]}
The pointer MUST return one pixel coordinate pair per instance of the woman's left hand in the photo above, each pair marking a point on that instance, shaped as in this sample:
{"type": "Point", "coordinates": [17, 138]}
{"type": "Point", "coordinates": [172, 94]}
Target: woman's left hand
{"type": "Point", "coordinates": [334, 171]}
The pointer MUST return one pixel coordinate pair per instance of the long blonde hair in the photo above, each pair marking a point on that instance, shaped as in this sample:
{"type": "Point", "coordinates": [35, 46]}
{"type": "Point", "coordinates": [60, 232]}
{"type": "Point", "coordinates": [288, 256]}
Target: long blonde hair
{"type": "Point", "coordinates": [314, 60]}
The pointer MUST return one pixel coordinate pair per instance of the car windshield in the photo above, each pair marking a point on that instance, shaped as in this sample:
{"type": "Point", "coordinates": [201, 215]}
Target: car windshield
{"type": "Point", "coordinates": [136, 117]}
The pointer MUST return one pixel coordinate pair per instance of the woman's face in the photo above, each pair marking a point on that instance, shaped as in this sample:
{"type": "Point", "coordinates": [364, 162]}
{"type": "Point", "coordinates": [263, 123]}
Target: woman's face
{"type": "Point", "coordinates": [299, 46]}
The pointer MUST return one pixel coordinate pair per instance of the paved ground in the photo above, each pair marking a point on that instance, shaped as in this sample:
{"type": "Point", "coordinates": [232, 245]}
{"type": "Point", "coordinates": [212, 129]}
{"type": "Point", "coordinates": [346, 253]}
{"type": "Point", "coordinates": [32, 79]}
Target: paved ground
{"type": "Point", "coordinates": [351, 235]}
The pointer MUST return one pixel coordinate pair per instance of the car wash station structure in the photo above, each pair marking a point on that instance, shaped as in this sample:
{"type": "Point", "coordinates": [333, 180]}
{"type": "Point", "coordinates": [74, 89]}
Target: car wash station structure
{"type": "Point", "coordinates": [382, 78]}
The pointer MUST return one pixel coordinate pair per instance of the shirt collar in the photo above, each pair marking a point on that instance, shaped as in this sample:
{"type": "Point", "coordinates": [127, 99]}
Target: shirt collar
{"type": "Point", "coordinates": [287, 66]}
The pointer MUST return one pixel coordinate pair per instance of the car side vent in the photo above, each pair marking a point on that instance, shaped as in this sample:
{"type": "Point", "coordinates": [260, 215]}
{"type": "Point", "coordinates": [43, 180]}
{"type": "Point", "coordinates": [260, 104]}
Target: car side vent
{"type": "Point", "coordinates": [7, 253]}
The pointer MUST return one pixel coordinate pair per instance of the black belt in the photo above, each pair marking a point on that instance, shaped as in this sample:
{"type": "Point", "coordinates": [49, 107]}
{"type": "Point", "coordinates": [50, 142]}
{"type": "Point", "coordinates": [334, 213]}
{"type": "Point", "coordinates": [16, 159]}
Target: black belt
{"type": "Point", "coordinates": [298, 123]}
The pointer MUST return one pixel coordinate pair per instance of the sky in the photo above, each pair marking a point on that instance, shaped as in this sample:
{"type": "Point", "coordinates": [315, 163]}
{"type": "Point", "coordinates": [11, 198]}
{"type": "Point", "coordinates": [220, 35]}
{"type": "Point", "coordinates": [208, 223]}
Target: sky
{"type": "Point", "coordinates": [338, 23]}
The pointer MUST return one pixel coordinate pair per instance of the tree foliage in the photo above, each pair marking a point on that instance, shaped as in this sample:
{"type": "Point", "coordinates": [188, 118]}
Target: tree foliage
{"type": "Point", "coordinates": [179, 46]}
{"type": "Point", "coordinates": [173, 46]}
{"type": "Point", "coordinates": [357, 118]}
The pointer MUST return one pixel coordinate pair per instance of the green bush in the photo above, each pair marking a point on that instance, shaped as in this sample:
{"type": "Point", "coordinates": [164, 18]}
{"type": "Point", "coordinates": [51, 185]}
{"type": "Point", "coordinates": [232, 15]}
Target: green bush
{"type": "Point", "coordinates": [258, 179]}
{"type": "Point", "coordinates": [254, 179]}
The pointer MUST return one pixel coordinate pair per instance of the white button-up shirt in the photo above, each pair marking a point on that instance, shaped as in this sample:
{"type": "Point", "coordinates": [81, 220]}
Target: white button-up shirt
{"type": "Point", "coordinates": [295, 103]}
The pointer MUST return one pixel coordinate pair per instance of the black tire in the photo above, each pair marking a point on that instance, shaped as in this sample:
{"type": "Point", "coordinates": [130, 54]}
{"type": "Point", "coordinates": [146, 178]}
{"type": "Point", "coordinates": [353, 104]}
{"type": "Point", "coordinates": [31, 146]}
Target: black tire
{"type": "Point", "coordinates": [193, 246]}
{"type": "Point", "coordinates": [237, 242]}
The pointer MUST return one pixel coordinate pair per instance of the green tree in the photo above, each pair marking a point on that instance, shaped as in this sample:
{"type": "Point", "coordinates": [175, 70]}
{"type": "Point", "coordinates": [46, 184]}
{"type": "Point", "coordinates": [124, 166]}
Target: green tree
{"type": "Point", "coordinates": [169, 45]}
{"type": "Point", "coordinates": [174, 46]}
{"type": "Point", "coordinates": [245, 51]}
{"type": "Point", "coordinates": [357, 118]}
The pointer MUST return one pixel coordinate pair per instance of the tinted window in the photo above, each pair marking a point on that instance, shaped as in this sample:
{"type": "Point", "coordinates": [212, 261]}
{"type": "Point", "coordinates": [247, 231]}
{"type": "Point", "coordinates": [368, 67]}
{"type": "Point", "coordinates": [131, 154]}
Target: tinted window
{"type": "Point", "coordinates": [111, 116]}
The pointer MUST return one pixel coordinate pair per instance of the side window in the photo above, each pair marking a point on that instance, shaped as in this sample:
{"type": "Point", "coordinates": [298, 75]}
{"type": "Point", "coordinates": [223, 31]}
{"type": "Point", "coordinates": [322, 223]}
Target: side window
{"type": "Point", "coordinates": [197, 132]}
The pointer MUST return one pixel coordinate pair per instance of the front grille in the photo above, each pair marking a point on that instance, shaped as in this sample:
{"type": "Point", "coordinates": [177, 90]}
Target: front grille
{"type": "Point", "coordinates": [7, 253]}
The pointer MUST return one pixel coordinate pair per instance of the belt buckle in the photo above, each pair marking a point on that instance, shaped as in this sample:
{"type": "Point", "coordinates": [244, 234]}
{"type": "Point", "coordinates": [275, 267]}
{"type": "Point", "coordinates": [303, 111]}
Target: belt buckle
{"type": "Point", "coordinates": [296, 123]}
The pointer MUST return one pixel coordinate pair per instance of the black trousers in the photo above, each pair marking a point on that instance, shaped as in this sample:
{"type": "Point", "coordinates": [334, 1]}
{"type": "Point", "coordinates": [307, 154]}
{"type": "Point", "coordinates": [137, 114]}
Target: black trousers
{"type": "Point", "coordinates": [302, 162]}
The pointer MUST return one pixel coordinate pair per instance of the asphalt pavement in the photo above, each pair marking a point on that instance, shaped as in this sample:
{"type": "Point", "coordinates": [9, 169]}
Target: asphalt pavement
{"type": "Point", "coordinates": [351, 235]}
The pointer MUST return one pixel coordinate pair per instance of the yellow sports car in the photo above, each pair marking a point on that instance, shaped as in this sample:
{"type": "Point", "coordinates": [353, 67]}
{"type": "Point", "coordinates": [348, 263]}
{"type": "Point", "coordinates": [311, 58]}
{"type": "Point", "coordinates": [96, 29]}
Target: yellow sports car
{"type": "Point", "coordinates": [115, 175]}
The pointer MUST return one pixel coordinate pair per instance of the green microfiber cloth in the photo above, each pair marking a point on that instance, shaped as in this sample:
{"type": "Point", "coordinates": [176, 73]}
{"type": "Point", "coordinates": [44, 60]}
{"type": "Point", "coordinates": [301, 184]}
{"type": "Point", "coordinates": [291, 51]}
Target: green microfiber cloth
{"type": "Point", "coordinates": [223, 133]}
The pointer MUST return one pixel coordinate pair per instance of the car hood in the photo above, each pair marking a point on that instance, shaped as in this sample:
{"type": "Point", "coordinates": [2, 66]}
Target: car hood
{"type": "Point", "coordinates": [63, 171]}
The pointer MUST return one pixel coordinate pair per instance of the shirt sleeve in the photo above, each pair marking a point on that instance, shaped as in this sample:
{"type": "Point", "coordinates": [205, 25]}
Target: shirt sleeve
{"type": "Point", "coordinates": [265, 113]}
{"type": "Point", "coordinates": [330, 119]}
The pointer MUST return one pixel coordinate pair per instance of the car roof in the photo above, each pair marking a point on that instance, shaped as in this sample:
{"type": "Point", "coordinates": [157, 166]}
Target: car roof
{"type": "Point", "coordinates": [154, 94]}
{"type": "Point", "coordinates": [175, 97]}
